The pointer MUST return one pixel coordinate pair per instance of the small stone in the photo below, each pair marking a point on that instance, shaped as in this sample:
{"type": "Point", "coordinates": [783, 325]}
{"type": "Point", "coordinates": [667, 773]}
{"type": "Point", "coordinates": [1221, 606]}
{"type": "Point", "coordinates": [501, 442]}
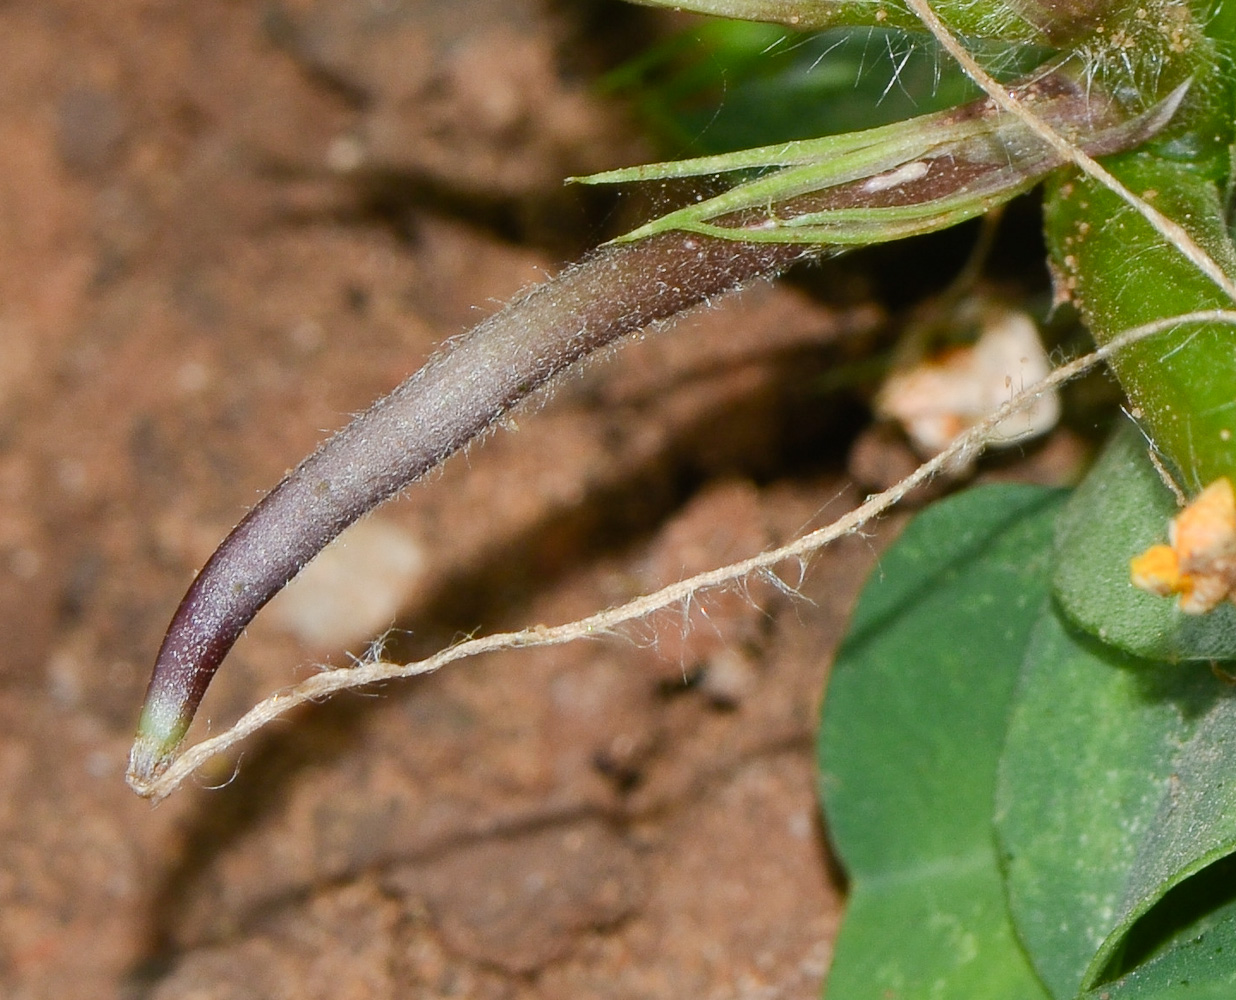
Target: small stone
{"type": "Point", "coordinates": [354, 589]}
{"type": "Point", "coordinates": [729, 678]}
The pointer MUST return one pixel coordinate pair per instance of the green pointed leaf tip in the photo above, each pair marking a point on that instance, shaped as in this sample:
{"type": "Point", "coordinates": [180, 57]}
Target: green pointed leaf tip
{"type": "Point", "coordinates": [160, 730]}
{"type": "Point", "coordinates": [914, 719]}
{"type": "Point", "coordinates": [1115, 785]}
{"type": "Point", "coordinates": [1120, 509]}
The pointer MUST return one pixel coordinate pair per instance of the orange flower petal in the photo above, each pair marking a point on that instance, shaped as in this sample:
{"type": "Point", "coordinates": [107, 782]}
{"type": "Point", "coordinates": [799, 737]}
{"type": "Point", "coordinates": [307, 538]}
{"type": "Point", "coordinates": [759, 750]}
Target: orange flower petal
{"type": "Point", "coordinates": [1157, 570]}
{"type": "Point", "coordinates": [1205, 531]}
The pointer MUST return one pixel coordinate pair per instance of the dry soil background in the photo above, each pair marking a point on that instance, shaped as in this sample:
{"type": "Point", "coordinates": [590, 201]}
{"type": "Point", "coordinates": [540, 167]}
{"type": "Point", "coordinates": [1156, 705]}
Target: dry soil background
{"type": "Point", "coordinates": [224, 226]}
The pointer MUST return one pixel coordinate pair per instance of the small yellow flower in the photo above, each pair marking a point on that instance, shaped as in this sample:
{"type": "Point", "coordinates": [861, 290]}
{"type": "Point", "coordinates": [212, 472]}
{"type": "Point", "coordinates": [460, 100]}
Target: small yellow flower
{"type": "Point", "coordinates": [1157, 570]}
{"type": "Point", "coordinates": [1199, 563]}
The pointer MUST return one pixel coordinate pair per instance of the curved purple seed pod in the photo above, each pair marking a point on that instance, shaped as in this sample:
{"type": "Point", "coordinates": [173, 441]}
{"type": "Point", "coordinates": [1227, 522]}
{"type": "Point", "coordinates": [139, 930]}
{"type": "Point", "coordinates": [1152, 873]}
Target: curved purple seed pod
{"type": "Point", "coordinates": [448, 402]}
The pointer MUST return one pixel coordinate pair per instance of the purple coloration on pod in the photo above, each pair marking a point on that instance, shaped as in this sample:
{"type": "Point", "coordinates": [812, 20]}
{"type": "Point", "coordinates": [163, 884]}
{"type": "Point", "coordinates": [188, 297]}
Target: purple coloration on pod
{"type": "Point", "coordinates": [434, 413]}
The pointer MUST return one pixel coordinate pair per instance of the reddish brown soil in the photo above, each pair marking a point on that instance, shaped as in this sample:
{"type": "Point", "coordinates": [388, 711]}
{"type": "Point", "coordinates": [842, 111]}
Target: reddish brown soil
{"type": "Point", "coordinates": [223, 227]}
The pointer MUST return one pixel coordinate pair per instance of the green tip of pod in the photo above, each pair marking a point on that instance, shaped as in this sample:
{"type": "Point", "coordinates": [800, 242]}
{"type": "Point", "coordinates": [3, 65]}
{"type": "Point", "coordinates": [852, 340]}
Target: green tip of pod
{"type": "Point", "coordinates": [160, 731]}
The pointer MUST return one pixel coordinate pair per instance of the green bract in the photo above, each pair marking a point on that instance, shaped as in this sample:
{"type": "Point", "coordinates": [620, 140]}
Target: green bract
{"type": "Point", "coordinates": [1108, 260]}
{"type": "Point", "coordinates": [898, 180]}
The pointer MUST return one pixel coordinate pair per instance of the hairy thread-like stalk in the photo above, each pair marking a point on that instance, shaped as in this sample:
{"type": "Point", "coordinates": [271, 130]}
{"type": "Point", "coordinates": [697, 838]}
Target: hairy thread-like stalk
{"type": "Point", "coordinates": [433, 414]}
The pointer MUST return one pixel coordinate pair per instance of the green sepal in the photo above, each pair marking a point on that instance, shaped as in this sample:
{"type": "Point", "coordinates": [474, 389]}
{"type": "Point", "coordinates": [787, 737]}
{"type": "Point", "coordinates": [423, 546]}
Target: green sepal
{"type": "Point", "coordinates": [944, 168]}
{"type": "Point", "coordinates": [1120, 272]}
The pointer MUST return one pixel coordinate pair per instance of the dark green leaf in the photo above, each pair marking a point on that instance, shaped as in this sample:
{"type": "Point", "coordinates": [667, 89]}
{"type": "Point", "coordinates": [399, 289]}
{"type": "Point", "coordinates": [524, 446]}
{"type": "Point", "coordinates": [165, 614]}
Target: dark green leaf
{"type": "Point", "coordinates": [914, 719]}
{"type": "Point", "coordinates": [1116, 784]}
{"type": "Point", "coordinates": [1197, 963]}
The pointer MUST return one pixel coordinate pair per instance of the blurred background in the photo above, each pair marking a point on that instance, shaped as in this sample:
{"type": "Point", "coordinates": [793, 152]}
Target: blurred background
{"type": "Point", "coordinates": [226, 226]}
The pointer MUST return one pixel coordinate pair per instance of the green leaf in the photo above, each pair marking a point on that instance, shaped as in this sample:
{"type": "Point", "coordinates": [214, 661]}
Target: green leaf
{"type": "Point", "coordinates": [1120, 510]}
{"type": "Point", "coordinates": [914, 719]}
{"type": "Point", "coordinates": [832, 159]}
{"type": "Point", "coordinates": [1114, 787]}
{"type": "Point", "coordinates": [1197, 964]}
